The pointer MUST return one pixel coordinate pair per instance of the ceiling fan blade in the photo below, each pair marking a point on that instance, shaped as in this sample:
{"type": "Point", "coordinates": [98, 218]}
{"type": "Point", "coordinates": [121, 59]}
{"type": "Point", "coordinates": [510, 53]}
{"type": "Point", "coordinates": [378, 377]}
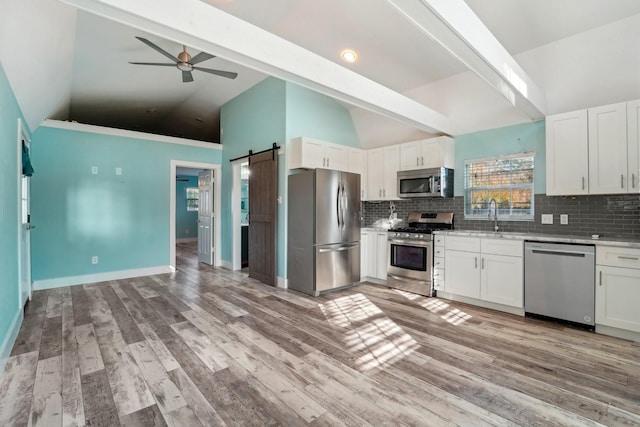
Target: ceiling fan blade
{"type": "Point", "coordinates": [202, 56]}
{"type": "Point", "coordinates": [187, 77]}
{"type": "Point", "coordinates": [153, 63]}
{"type": "Point", "coordinates": [158, 48]}
{"type": "Point", "coordinates": [221, 73]}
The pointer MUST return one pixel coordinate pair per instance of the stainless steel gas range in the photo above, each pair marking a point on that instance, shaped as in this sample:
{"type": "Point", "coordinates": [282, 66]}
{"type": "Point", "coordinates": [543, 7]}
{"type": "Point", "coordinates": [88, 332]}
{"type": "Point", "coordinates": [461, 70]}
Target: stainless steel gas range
{"type": "Point", "coordinates": [410, 251]}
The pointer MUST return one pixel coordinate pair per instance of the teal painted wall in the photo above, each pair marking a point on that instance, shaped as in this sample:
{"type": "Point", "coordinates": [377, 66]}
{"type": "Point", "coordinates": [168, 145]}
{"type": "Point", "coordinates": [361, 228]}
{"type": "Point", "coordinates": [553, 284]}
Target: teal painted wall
{"type": "Point", "coordinates": [317, 116]}
{"type": "Point", "coordinates": [253, 120]}
{"type": "Point", "coordinates": [122, 219]}
{"type": "Point", "coordinates": [9, 286]}
{"type": "Point", "coordinates": [528, 137]}
{"type": "Point", "coordinates": [186, 221]}
{"type": "Point", "coordinates": [275, 111]}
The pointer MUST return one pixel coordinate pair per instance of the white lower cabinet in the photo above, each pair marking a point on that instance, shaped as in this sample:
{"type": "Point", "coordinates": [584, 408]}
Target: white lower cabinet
{"type": "Point", "coordinates": [485, 269]}
{"type": "Point", "coordinates": [373, 254]}
{"type": "Point", "coordinates": [462, 276]}
{"type": "Point", "coordinates": [618, 288]}
{"type": "Point", "coordinates": [364, 255]}
{"type": "Point", "coordinates": [501, 279]}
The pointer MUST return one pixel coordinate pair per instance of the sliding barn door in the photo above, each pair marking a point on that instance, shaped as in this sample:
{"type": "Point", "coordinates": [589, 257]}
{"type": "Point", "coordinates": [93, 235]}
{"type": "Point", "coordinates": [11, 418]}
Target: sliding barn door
{"type": "Point", "coordinates": [263, 188]}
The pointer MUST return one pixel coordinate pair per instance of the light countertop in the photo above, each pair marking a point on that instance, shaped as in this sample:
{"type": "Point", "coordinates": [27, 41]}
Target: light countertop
{"type": "Point", "coordinates": [541, 237]}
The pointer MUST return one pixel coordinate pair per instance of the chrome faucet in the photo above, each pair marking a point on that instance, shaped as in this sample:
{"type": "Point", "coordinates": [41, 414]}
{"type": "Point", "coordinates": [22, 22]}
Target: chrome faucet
{"type": "Point", "coordinates": [493, 205]}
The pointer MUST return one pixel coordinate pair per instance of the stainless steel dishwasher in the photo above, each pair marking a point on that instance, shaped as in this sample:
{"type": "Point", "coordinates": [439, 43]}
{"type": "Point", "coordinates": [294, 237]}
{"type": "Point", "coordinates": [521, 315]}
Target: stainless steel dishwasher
{"type": "Point", "coordinates": [559, 281]}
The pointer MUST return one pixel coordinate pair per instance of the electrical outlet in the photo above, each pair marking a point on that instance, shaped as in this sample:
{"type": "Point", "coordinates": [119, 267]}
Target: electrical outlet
{"type": "Point", "coordinates": [94, 260]}
{"type": "Point", "coordinates": [118, 171]}
{"type": "Point", "coordinates": [564, 219]}
{"type": "Point", "coordinates": [94, 170]}
{"type": "Point", "coordinates": [547, 218]}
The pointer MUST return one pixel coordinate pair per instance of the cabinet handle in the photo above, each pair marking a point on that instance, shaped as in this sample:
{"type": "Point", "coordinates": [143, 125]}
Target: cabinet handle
{"type": "Point", "coordinates": [380, 192]}
{"type": "Point", "coordinates": [324, 161]}
{"type": "Point", "coordinates": [482, 263]}
{"type": "Point", "coordinates": [600, 280]}
{"type": "Point", "coordinates": [621, 180]}
{"type": "Point", "coordinates": [384, 192]}
{"type": "Point", "coordinates": [476, 262]}
{"type": "Point", "coordinates": [417, 161]}
{"type": "Point", "coordinates": [633, 180]}
{"type": "Point", "coordinates": [632, 258]}
{"type": "Point", "coordinates": [422, 158]}
{"type": "Point", "coordinates": [583, 182]}
{"type": "Point", "coordinates": [327, 162]}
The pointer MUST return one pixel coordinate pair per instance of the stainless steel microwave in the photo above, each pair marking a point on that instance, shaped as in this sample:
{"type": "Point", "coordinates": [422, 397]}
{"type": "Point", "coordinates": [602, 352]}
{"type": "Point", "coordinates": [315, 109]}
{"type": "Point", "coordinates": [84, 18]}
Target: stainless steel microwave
{"type": "Point", "coordinates": [435, 182]}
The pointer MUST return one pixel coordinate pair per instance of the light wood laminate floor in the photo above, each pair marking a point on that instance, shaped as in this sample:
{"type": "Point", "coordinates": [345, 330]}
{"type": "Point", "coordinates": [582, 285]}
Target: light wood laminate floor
{"type": "Point", "coordinates": [212, 347]}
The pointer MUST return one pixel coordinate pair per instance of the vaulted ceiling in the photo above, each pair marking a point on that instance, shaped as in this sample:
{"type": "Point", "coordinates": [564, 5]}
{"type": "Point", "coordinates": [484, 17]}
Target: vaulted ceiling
{"type": "Point", "coordinates": [73, 65]}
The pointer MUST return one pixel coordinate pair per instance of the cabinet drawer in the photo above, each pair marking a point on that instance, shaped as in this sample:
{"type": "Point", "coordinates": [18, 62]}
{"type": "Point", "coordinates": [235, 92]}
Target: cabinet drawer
{"type": "Point", "coordinates": [438, 262]}
{"type": "Point", "coordinates": [438, 251]}
{"type": "Point", "coordinates": [618, 257]}
{"type": "Point", "coordinates": [465, 244]}
{"type": "Point", "coordinates": [438, 279]}
{"type": "Point", "coordinates": [502, 247]}
{"type": "Point", "coordinates": [438, 240]}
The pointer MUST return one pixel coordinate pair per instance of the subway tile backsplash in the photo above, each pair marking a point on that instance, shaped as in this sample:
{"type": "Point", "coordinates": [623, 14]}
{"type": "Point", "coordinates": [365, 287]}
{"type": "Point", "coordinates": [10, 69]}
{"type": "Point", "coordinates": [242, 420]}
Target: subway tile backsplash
{"type": "Point", "coordinates": [606, 215]}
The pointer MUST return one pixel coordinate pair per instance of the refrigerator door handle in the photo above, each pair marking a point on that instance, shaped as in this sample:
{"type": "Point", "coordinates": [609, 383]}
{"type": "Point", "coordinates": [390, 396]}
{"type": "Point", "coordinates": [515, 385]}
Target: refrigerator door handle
{"type": "Point", "coordinates": [339, 249]}
{"type": "Point", "coordinates": [343, 204]}
{"type": "Point", "coordinates": [338, 207]}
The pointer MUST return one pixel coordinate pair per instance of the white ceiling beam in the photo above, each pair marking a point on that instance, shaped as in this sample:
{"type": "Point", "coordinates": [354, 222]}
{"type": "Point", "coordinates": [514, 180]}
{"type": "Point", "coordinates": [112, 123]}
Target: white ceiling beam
{"type": "Point", "coordinates": [453, 24]}
{"type": "Point", "coordinates": [204, 27]}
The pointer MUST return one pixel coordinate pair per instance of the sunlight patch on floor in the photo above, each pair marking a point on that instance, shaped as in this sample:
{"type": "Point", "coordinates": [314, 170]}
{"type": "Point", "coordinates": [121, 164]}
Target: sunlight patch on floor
{"type": "Point", "coordinates": [381, 340]}
{"type": "Point", "coordinates": [434, 305]}
{"type": "Point", "coordinates": [456, 316]}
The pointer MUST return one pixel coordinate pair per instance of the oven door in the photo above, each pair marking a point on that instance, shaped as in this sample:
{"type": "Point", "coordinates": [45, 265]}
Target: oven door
{"type": "Point", "coordinates": [409, 258]}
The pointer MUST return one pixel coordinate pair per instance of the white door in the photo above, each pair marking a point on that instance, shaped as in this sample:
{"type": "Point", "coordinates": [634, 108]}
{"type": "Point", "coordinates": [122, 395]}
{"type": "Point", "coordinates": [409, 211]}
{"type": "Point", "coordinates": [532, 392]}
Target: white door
{"type": "Point", "coordinates": [25, 227]}
{"type": "Point", "coordinates": [205, 217]}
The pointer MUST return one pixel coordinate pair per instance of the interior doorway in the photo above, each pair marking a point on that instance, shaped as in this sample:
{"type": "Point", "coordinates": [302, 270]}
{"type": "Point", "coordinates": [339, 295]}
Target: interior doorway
{"type": "Point", "coordinates": [244, 215]}
{"type": "Point", "coordinates": [181, 171]}
{"type": "Point", "coordinates": [24, 226]}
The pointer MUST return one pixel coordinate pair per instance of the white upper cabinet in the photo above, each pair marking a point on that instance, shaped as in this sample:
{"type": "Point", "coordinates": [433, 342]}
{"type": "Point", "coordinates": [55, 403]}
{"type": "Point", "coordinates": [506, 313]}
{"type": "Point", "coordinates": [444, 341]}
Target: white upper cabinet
{"type": "Point", "coordinates": [594, 151]}
{"type": "Point", "coordinates": [309, 153]}
{"type": "Point", "coordinates": [633, 147]}
{"type": "Point", "coordinates": [382, 173]}
{"type": "Point", "coordinates": [567, 154]}
{"type": "Point", "coordinates": [427, 153]}
{"type": "Point", "coordinates": [358, 164]}
{"type": "Point", "coordinates": [608, 149]}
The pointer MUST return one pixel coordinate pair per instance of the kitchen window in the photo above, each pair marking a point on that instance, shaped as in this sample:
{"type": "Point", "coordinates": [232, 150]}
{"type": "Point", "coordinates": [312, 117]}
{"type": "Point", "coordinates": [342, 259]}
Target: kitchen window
{"type": "Point", "coordinates": [192, 198]}
{"type": "Point", "coordinates": [507, 179]}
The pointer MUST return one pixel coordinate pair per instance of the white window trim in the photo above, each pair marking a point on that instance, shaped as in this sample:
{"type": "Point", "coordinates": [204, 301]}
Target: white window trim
{"type": "Point", "coordinates": [514, 218]}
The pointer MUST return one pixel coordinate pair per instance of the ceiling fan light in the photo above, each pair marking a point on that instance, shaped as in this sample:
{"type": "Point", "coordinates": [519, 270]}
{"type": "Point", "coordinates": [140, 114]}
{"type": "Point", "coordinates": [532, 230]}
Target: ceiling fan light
{"type": "Point", "coordinates": [184, 66]}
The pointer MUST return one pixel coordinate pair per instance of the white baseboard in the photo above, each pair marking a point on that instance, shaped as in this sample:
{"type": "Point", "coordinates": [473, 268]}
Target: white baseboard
{"type": "Point", "coordinates": [187, 240]}
{"type": "Point", "coordinates": [10, 339]}
{"type": "Point", "coordinates": [480, 303]}
{"type": "Point", "coordinates": [282, 282]}
{"type": "Point", "coordinates": [60, 282]}
{"type": "Point", "coordinates": [226, 264]}
{"type": "Point", "coordinates": [618, 333]}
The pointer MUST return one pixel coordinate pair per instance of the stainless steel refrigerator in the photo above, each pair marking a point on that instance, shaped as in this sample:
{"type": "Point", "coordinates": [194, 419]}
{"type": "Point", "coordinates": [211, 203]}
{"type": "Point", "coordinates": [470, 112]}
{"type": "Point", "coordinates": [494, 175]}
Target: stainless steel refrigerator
{"type": "Point", "coordinates": [323, 233]}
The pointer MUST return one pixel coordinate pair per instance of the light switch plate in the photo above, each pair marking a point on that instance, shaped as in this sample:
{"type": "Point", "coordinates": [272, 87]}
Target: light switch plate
{"type": "Point", "coordinates": [118, 171]}
{"type": "Point", "coordinates": [564, 219]}
{"type": "Point", "coordinates": [547, 218]}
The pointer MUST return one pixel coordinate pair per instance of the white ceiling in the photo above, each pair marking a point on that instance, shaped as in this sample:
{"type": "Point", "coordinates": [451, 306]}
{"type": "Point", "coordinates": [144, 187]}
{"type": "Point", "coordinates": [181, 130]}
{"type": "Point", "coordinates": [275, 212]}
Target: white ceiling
{"type": "Point", "coordinates": [104, 89]}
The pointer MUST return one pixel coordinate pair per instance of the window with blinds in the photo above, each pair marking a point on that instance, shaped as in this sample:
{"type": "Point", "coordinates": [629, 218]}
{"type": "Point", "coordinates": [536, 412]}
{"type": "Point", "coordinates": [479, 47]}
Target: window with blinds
{"type": "Point", "coordinates": [507, 179]}
{"type": "Point", "coordinates": [192, 198]}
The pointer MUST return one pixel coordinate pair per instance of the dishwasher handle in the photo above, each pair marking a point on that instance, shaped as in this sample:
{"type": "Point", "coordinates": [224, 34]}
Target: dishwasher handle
{"type": "Point", "coordinates": [563, 252]}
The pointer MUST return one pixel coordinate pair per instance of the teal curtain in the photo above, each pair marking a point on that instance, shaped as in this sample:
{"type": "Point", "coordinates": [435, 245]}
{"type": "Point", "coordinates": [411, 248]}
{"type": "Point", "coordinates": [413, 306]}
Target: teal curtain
{"type": "Point", "coordinates": [27, 169]}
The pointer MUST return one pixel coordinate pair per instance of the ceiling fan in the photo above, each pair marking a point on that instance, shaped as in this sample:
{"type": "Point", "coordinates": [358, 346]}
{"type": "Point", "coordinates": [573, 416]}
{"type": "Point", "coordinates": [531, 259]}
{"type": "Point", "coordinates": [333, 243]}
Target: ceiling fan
{"type": "Point", "coordinates": [184, 62]}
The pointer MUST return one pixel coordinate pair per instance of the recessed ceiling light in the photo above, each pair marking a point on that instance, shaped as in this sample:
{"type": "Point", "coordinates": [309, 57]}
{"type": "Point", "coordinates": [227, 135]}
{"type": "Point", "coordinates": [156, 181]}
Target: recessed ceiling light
{"type": "Point", "coordinates": [349, 55]}
{"type": "Point", "coordinates": [152, 110]}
